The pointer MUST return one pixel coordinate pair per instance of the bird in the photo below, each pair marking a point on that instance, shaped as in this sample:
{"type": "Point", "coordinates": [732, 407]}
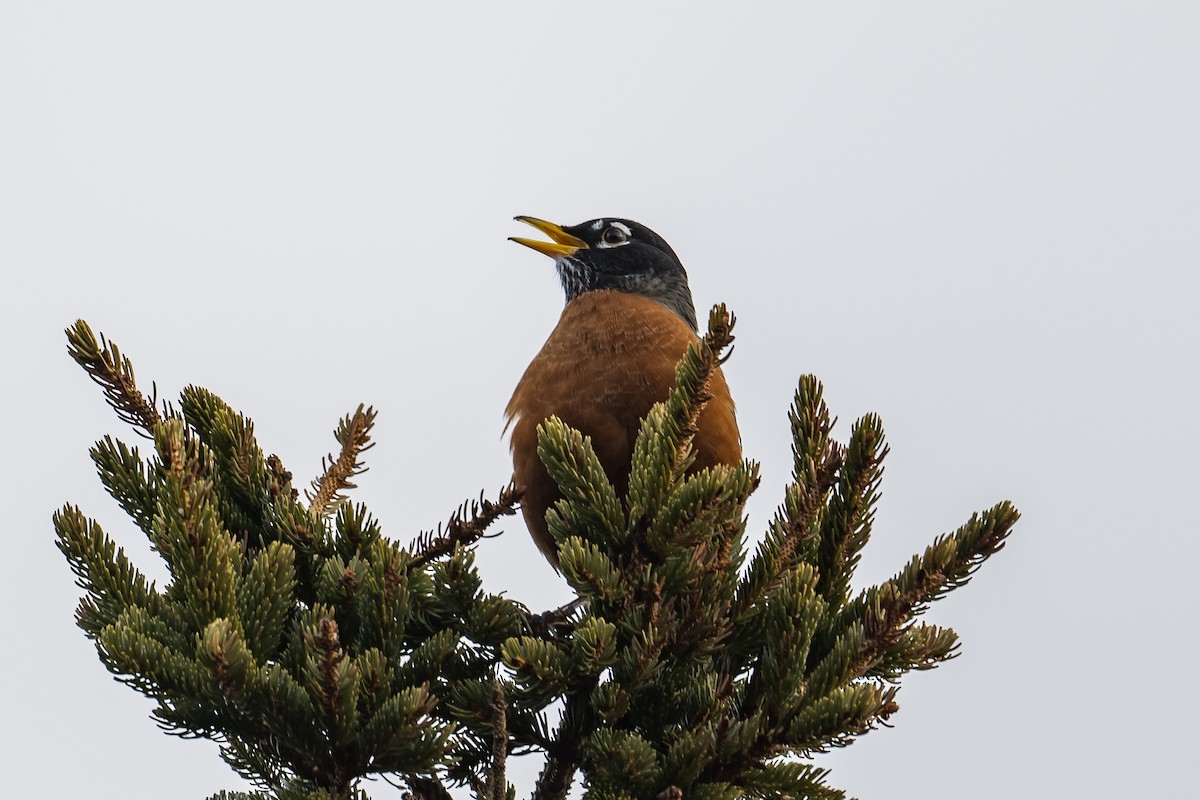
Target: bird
{"type": "Point", "coordinates": [628, 320]}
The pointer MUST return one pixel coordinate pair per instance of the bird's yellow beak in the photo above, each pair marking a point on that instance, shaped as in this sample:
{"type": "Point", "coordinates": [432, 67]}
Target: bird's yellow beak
{"type": "Point", "coordinates": [564, 244]}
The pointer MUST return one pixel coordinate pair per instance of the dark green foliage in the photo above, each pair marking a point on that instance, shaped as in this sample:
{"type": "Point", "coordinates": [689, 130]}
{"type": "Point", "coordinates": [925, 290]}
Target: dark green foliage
{"type": "Point", "coordinates": [317, 652]}
{"type": "Point", "coordinates": [293, 634]}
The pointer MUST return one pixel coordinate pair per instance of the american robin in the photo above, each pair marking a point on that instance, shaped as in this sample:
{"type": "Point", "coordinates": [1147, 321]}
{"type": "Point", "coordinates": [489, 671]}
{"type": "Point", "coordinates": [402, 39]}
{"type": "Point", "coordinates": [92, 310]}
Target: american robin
{"type": "Point", "coordinates": [629, 319]}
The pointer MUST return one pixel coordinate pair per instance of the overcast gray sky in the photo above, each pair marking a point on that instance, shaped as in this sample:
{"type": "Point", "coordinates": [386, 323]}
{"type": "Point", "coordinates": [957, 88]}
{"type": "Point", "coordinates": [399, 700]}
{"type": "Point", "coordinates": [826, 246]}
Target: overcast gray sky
{"type": "Point", "coordinates": [977, 219]}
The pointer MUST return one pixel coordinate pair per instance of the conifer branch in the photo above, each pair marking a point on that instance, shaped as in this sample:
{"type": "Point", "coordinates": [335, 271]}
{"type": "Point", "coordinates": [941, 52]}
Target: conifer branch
{"type": "Point", "coordinates": [461, 532]}
{"type": "Point", "coordinates": [424, 787]}
{"type": "Point", "coordinates": [354, 435]}
{"type": "Point", "coordinates": [850, 513]}
{"type": "Point", "coordinates": [945, 565]}
{"type": "Point", "coordinates": [695, 370]}
{"type": "Point", "coordinates": [565, 752]}
{"type": "Point", "coordinates": [841, 716]}
{"type": "Point", "coordinates": [113, 372]}
{"type": "Point", "coordinates": [793, 531]}
{"type": "Point", "coordinates": [124, 475]}
{"type": "Point", "coordinates": [662, 450]}
{"type": "Point", "coordinates": [497, 788]}
{"type": "Point", "coordinates": [796, 523]}
{"type": "Point", "coordinates": [590, 506]}
{"type": "Point", "coordinates": [103, 570]}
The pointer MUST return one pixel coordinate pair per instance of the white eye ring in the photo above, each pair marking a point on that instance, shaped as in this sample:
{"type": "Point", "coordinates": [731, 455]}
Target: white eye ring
{"type": "Point", "coordinates": [615, 235]}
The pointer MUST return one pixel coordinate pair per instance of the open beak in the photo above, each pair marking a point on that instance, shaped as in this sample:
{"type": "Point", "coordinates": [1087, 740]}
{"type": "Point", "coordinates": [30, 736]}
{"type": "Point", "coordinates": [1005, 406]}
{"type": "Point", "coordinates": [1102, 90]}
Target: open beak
{"type": "Point", "coordinates": [564, 244]}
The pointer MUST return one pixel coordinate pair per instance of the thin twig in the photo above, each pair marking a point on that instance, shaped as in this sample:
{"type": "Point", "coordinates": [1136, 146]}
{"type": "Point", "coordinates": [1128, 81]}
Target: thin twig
{"type": "Point", "coordinates": [113, 372]}
{"type": "Point", "coordinates": [433, 545]}
{"type": "Point", "coordinates": [354, 435]}
{"type": "Point", "coordinates": [497, 782]}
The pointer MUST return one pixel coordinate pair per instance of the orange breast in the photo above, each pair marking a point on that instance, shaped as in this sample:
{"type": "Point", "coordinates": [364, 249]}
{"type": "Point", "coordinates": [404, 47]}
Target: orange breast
{"type": "Point", "coordinates": [610, 358]}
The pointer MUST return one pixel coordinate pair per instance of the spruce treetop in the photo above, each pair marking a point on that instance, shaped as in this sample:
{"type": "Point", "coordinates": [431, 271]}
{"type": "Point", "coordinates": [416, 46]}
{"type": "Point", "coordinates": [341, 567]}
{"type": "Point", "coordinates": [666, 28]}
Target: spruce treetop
{"type": "Point", "coordinates": [317, 652]}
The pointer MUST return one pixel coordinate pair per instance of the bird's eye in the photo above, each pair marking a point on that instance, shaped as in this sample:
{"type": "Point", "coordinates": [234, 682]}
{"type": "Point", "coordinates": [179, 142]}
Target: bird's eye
{"type": "Point", "coordinates": [614, 236]}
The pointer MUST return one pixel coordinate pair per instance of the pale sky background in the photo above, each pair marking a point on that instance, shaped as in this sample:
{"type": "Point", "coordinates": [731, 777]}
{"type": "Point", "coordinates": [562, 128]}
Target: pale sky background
{"type": "Point", "coordinates": [978, 219]}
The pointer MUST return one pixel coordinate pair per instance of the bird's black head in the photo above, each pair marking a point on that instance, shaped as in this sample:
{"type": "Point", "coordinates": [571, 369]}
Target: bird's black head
{"type": "Point", "coordinates": [613, 253]}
